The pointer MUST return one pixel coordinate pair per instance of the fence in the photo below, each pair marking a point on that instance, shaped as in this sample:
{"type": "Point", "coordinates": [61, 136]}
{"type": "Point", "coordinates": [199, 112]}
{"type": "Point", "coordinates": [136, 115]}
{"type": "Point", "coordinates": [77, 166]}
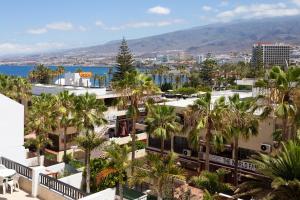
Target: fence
{"type": "Point", "coordinates": [61, 187]}
{"type": "Point", "coordinates": [20, 169]}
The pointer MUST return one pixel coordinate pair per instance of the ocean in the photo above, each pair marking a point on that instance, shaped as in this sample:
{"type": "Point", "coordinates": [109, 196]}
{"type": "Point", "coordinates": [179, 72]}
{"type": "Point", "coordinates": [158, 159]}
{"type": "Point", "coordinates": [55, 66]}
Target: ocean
{"type": "Point", "coordinates": [23, 71]}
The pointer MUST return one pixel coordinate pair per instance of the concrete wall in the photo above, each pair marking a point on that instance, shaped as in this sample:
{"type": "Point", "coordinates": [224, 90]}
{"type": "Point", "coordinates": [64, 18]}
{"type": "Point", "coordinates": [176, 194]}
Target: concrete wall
{"type": "Point", "coordinates": [47, 194]}
{"type": "Point", "coordinates": [126, 140]}
{"type": "Point", "coordinates": [108, 194]}
{"type": "Point", "coordinates": [31, 162]}
{"type": "Point", "coordinates": [25, 184]}
{"type": "Point", "coordinates": [12, 130]}
{"type": "Point", "coordinates": [265, 131]}
{"type": "Point", "coordinates": [37, 89]}
{"type": "Point", "coordinates": [74, 180]}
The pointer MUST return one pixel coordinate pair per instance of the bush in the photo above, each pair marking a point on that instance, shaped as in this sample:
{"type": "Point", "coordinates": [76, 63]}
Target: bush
{"type": "Point", "coordinates": [166, 86]}
{"type": "Point", "coordinates": [186, 91]}
{"type": "Point", "coordinates": [139, 145]}
{"type": "Point", "coordinates": [76, 164]}
{"type": "Point", "coordinates": [67, 158]}
{"type": "Point", "coordinates": [97, 165]}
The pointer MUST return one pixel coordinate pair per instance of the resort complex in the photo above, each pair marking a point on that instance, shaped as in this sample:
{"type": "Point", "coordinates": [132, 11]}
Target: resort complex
{"type": "Point", "coordinates": [191, 132]}
{"type": "Point", "coordinates": [209, 112]}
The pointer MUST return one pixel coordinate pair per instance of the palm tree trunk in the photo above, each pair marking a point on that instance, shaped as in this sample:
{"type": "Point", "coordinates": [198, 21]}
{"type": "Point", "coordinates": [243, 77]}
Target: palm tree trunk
{"type": "Point", "coordinates": [285, 129]}
{"type": "Point", "coordinates": [65, 144]}
{"type": "Point", "coordinates": [162, 146]}
{"type": "Point", "coordinates": [207, 149]}
{"type": "Point", "coordinates": [207, 144]}
{"type": "Point", "coordinates": [88, 172]}
{"type": "Point", "coordinates": [121, 191]}
{"type": "Point", "coordinates": [133, 145]}
{"type": "Point", "coordinates": [38, 156]}
{"type": "Point", "coordinates": [236, 160]}
{"type": "Point", "coordinates": [172, 144]}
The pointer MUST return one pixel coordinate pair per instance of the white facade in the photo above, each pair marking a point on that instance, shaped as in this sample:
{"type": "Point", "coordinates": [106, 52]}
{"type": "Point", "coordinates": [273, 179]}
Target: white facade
{"type": "Point", "coordinates": [38, 89]}
{"type": "Point", "coordinates": [74, 79]}
{"type": "Point", "coordinates": [12, 130]}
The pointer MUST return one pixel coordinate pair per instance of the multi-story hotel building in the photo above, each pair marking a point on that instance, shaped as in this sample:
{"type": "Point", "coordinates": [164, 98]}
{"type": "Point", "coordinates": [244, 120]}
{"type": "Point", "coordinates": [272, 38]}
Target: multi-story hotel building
{"type": "Point", "coordinates": [268, 54]}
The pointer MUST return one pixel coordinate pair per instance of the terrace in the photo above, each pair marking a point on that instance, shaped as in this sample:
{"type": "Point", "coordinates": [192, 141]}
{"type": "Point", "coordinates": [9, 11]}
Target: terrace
{"type": "Point", "coordinates": [36, 184]}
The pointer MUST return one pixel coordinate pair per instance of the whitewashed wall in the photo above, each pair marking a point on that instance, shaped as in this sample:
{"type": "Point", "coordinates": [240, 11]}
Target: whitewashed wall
{"type": "Point", "coordinates": [12, 130]}
{"type": "Point", "coordinates": [75, 180]}
{"type": "Point", "coordinates": [108, 194]}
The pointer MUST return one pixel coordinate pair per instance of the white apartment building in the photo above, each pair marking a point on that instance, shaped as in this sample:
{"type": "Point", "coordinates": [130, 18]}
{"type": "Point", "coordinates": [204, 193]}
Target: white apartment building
{"type": "Point", "coordinates": [12, 130]}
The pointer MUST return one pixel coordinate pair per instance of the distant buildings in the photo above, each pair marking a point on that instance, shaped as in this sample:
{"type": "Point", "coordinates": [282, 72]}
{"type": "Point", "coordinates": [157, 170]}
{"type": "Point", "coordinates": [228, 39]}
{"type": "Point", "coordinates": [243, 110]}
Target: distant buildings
{"type": "Point", "coordinates": [268, 54]}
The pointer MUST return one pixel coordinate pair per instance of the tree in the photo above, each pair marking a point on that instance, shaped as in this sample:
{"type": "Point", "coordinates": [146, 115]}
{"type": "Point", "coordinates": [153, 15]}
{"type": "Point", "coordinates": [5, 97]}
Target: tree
{"type": "Point", "coordinates": [89, 142]}
{"type": "Point", "coordinates": [119, 164]}
{"type": "Point", "coordinates": [134, 87]}
{"type": "Point", "coordinates": [40, 142]}
{"type": "Point", "coordinates": [88, 115]}
{"type": "Point", "coordinates": [212, 183]}
{"type": "Point", "coordinates": [124, 62]}
{"type": "Point", "coordinates": [206, 72]}
{"type": "Point", "coordinates": [42, 118]}
{"type": "Point", "coordinates": [280, 172]}
{"type": "Point", "coordinates": [16, 88]}
{"type": "Point", "coordinates": [65, 109]}
{"type": "Point", "coordinates": [204, 114]}
{"type": "Point", "coordinates": [279, 91]}
{"type": "Point", "coordinates": [60, 70]}
{"type": "Point", "coordinates": [41, 74]}
{"type": "Point", "coordinates": [162, 123]}
{"type": "Point", "coordinates": [242, 124]}
{"type": "Point", "coordinates": [159, 172]}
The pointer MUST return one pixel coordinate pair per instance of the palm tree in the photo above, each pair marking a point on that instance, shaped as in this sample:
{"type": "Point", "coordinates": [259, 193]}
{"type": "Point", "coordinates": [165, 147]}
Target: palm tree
{"type": "Point", "coordinates": [280, 175]}
{"type": "Point", "coordinates": [42, 117]}
{"type": "Point", "coordinates": [212, 183]}
{"type": "Point", "coordinates": [204, 114]}
{"type": "Point", "coordinates": [159, 172]}
{"type": "Point", "coordinates": [162, 123]}
{"type": "Point", "coordinates": [65, 109]}
{"type": "Point", "coordinates": [119, 164]}
{"type": "Point", "coordinates": [242, 124]}
{"type": "Point", "coordinates": [39, 143]}
{"type": "Point", "coordinates": [279, 89]}
{"type": "Point", "coordinates": [134, 87]}
{"type": "Point", "coordinates": [89, 142]}
{"type": "Point", "coordinates": [60, 70]}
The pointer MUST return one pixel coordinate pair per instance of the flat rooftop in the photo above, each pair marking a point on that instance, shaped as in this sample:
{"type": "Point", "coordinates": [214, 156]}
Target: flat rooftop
{"type": "Point", "coordinates": [183, 103]}
{"type": "Point", "coordinates": [101, 93]}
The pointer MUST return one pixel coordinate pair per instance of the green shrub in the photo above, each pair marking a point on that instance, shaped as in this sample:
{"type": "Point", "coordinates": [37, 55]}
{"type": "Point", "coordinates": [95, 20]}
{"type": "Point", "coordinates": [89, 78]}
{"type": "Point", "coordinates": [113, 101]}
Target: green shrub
{"type": "Point", "coordinates": [186, 91]}
{"type": "Point", "coordinates": [166, 86]}
{"type": "Point", "coordinates": [76, 163]}
{"type": "Point", "coordinates": [138, 144]}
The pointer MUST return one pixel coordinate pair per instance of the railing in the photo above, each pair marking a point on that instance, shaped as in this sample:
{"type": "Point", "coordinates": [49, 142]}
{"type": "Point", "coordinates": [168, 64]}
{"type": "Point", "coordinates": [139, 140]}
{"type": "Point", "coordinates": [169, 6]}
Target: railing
{"type": "Point", "coordinates": [61, 187]}
{"type": "Point", "coordinates": [20, 169]}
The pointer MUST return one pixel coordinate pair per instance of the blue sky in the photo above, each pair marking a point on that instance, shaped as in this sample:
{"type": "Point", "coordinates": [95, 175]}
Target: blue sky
{"type": "Point", "coordinates": [29, 26]}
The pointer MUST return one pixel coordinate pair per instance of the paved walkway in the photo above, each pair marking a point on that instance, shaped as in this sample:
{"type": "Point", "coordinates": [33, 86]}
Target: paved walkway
{"type": "Point", "coordinates": [16, 195]}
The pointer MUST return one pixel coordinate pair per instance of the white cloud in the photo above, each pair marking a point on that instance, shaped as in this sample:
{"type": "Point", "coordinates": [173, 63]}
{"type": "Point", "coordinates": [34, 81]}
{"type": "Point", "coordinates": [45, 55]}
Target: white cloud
{"type": "Point", "coordinates": [159, 10]}
{"type": "Point", "coordinates": [15, 48]}
{"type": "Point", "coordinates": [257, 11]}
{"type": "Point", "coordinates": [37, 31]}
{"type": "Point", "coordinates": [99, 23]}
{"type": "Point", "coordinates": [82, 28]}
{"type": "Point", "coordinates": [144, 24]}
{"type": "Point", "coordinates": [206, 8]}
{"type": "Point", "coordinates": [62, 26]}
{"type": "Point", "coordinates": [224, 3]}
{"type": "Point", "coordinates": [296, 2]}
{"type": "Point", "coordinates": [59, 26]}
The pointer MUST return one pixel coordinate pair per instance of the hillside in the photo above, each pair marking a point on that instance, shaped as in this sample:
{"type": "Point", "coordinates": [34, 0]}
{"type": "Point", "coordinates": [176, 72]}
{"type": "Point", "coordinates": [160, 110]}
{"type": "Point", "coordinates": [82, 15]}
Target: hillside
{"type": "Point", "coordinates": [217, 38]}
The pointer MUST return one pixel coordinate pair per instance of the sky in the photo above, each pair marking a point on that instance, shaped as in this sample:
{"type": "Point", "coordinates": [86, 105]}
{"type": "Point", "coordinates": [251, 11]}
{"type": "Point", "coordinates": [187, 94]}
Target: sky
{"type": "Point", "coordinates": [29, 26]}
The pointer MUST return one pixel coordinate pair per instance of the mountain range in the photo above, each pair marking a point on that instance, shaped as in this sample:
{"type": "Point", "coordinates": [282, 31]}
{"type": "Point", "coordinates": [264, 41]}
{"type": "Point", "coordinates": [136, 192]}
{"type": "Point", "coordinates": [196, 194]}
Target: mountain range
{"type": "Point", "coordinates": [216, 38]}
